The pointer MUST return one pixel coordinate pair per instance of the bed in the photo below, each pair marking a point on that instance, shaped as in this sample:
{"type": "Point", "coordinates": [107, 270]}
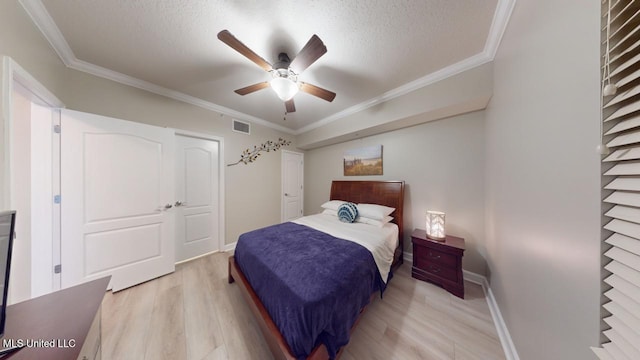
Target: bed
{"type": "Point", "coordinates": [346, 277]}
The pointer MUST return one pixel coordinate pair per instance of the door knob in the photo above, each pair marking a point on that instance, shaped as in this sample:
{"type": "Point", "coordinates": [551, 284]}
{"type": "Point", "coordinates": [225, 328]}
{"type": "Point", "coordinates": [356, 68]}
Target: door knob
{"type": "Point", "coordinates": [179, 203]}
{"type": "Point", "coordinates": [285, 194]}
{"type": "Point", "coordinates": [168, 206]}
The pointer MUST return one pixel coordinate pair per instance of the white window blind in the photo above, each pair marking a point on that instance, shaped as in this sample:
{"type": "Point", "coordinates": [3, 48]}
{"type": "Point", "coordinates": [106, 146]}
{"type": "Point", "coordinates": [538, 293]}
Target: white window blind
{"type": "Point", "coordinates": [621, 181]}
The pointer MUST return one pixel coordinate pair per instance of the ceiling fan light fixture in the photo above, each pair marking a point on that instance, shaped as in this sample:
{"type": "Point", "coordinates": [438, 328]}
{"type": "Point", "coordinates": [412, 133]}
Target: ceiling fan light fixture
{"type": "Point", "coordinates": [284, 84]}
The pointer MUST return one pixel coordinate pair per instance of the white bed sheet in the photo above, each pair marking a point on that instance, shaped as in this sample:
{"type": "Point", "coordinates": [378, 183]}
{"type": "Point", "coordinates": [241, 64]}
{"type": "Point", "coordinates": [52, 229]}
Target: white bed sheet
{"type": "Point", "coordinates": [380, 241]}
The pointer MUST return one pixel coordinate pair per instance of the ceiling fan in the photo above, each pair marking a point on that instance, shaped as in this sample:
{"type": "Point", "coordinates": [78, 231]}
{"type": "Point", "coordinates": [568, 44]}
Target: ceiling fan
{"type": "Point", "coordinates": [284, 72]}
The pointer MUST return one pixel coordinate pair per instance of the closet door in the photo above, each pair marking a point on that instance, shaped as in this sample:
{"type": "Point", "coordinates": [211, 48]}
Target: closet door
{"type": "Point", "coordinates": [117, 192]}
{"type": "Point", "coordinates": [198, 206]}
{"type": "Point", "coordinates": [292, 185]}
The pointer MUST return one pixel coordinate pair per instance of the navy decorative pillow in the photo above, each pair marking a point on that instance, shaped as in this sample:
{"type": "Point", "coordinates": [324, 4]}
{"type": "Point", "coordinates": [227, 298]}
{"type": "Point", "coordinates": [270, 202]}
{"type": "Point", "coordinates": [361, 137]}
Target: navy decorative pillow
{"type": "Point", "coordinates": [348, 212]}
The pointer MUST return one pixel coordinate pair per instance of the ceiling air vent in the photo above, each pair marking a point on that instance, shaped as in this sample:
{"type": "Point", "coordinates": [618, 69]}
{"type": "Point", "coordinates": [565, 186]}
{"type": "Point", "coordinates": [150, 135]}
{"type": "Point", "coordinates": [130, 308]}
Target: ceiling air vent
{"type": "Point", "coordinates": [241, 127]}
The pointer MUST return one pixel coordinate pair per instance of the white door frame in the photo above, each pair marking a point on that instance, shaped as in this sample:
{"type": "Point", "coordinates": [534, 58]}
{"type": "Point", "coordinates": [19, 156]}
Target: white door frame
{"type": "Point", "coordinates": [221, 167]}
{"type": "Point", "coordinates": [282, 175]}
{"type": "Point", "coordinates": [13, 73]}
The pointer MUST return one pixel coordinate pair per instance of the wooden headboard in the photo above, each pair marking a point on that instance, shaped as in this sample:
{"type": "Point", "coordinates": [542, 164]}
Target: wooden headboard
{"type": "Point", "coordinates": [387, 193]}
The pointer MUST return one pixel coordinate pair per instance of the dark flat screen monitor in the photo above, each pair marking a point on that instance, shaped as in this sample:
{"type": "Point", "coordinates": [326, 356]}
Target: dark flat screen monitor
{"type": "Point", "coordinates": [7, 225]}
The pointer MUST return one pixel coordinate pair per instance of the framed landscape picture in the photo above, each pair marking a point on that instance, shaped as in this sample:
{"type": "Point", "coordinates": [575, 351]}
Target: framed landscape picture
{"type": "Point", "coordinates": [363, 161]}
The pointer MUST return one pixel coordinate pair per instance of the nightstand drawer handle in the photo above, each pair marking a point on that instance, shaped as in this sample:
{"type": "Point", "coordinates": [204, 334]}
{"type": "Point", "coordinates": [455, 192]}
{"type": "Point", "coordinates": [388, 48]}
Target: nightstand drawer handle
{"type": "Point", "coordinates": [434, 269]}
{"type": "Point", "coordinates": [433, 257]}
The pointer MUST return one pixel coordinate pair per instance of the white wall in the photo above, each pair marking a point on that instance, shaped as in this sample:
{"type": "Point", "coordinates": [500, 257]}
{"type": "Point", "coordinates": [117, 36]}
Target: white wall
{"type": "Point", "coordinates": [543, 177]}
{"type": "Point", "coordinates": [442, 164]}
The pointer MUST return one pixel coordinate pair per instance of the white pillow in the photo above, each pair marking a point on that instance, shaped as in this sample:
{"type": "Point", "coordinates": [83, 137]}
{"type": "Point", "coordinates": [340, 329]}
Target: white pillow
{"type": "Point", "coordinates": [330, 212]}
{"type": "Point", "coordinates": [373, 211]}
{"type": "Point", "coordinates": [332, 205]}
{"type": "Point", "coordinates": [378, 223]}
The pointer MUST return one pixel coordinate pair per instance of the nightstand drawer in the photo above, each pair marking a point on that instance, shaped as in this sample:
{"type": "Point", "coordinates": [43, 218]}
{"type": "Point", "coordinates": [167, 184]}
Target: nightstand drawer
{"type": "Point", "coordinates": [437, 257]}
{"type": "Point", "coordinates": [441, 271]}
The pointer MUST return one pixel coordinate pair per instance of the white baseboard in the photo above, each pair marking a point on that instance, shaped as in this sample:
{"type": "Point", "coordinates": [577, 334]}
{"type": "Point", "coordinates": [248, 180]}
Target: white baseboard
{"type": "Point", "coordinates": [408, 257]}
{"type": "Point", "coordinates": [475, 278]}
{"type": "Point", "coordinates": [230, 247]}
{"type": "Point", "coordinates": [501, 327]}
{"type": "Point", "coordinates": [196, 257]}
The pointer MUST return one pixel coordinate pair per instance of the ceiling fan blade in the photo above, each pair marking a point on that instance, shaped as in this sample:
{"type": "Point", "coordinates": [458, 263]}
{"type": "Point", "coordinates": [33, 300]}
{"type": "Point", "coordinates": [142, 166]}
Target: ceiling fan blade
{"type": "Point", "coordinates": [291, 107]}
{"type": "Point", "coordinates": [251, 88]}
{"type": "Point", "coordinates": [311, 52]}
{"type": "Point", "coordinates": [317, 91]}
{"type": "Point", "coordinates": [226, 37]}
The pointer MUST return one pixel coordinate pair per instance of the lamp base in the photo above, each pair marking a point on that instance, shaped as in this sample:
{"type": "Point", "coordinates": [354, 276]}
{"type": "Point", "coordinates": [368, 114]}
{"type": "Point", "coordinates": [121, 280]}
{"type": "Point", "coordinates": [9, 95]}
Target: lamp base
{"type": "Point", "coordinates": [440, 239]}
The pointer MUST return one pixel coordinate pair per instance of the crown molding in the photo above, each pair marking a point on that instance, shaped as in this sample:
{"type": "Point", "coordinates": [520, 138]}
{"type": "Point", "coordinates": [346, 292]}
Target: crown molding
{"type": "Point", "coordinates": [501, 17]}
{"type": "Point", "coordinates": [51, 32]}
{"type": "Point", "coordinates": [499, 23]}
{"type": "Point", "coordinates": [43, 21]}
{"type": "Point", "coordinates": [451, 70]}
{"type": "Point", "coordinates": [176, 95]}
{"type": "Point", "coordinates": [172, 94]}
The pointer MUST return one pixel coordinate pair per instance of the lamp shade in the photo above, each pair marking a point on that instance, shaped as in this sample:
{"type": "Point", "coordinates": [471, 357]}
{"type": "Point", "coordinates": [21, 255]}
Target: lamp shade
{"type": "Point", "coordinates": [435, 225]}
{"type": "Point", "coordinates": [285, 88]}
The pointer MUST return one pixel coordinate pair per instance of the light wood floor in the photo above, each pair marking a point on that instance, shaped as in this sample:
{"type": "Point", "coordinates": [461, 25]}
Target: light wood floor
{"type": "Point", "coordinates": [194, 314]}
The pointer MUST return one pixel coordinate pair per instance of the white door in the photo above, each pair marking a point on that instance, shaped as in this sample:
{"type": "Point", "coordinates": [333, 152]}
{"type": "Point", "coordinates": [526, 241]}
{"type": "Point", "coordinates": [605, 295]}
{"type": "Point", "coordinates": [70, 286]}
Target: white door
{"type": "Point", "coordinates": [292, 185]}
{"type": "Point", "coordinates": [198, 202]}
{"type": "Point", "coordinates": [116, 178]}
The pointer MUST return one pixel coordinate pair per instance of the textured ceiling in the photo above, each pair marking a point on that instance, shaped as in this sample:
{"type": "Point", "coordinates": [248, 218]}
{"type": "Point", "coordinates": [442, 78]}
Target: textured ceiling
{"type": "Point", "coordinates": [374, 46]}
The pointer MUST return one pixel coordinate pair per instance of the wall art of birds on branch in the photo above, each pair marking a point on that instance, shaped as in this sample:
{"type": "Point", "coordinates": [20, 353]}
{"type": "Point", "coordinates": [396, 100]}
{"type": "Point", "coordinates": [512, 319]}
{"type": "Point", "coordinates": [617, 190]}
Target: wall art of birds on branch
{"type": "Point", "coordinates": [249, 156]}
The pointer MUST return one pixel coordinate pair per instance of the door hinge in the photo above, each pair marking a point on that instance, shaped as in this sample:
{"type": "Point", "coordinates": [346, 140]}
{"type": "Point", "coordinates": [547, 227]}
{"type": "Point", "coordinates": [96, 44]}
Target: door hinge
{"type": "Point", "coordinates": [57, 269]}
{"type": "Point", "coordinates": [57, 199]}
{"type": "Point", "coordinates": [56, 129]}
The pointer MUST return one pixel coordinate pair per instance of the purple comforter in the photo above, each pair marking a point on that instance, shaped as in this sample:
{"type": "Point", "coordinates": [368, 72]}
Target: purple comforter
{"type": "Point", "coordinates": [312, 284]}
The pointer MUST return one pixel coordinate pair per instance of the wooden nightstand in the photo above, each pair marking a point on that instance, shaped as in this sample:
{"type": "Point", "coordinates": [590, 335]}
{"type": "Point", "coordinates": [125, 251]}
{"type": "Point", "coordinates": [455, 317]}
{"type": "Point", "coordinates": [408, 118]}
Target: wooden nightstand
{"type": "Point", "coordinates": [439, 262]}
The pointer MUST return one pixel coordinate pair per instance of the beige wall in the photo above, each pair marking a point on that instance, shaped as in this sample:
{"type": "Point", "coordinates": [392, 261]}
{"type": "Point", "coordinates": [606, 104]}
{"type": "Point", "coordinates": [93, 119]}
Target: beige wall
{"type": "Point", "coordinates": [458, 94]}
{"type": "Point", "coordinates": [543, 197]}
{"type": "Point", "coordinates": [252, 191]}
{"type": "Point", "coordinates": [442, 164]}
